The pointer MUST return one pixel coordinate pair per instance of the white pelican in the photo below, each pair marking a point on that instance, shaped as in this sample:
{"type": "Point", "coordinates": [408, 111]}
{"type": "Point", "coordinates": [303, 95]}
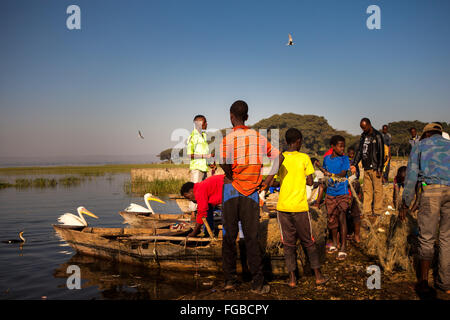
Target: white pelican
{"type": "Point", "coordinates": [291, 42]}
{"type": "Point", "coordinates": [70, 219]}
{"type": "Point", "coordinates": [137, 208]}
{"type": "Point", "coordinates": [21, 240]}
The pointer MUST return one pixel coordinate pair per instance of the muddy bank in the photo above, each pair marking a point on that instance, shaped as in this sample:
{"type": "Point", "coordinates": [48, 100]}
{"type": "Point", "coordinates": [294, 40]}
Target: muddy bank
{"type": "Point", "coordinates": [347, 282]}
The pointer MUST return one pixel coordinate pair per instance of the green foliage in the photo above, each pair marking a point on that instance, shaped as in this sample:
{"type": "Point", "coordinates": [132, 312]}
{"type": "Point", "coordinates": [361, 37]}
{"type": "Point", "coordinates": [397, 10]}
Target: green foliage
{"type": "Point", "coordinates": [315, 129]}
{"type": "Point", "coordinates": [400, 135]}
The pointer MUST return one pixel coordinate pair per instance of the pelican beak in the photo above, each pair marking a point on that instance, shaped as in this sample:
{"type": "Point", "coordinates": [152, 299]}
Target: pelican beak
{"type": "Point", "coordinates": [87, 212]}
{"type": "Point", "coordinates": [156, 199]}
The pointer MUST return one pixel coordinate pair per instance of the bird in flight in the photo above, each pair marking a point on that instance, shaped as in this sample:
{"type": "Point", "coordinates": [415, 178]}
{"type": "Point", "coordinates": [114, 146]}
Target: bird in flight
{"type": "Point", "coordinates": [291, 42]}
{"type": "Point", "coordinates": [140, 134]}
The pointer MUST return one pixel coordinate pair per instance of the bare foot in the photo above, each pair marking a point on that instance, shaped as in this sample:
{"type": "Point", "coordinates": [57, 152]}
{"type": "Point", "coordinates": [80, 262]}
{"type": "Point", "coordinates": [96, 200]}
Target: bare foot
{"type": "Point", "coordinates": [322, 280]}
{"type": "Point", "coordinates": [292, 280]}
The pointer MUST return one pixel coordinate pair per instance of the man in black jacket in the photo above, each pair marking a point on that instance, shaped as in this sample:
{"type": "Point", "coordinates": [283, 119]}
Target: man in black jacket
{"type": "Point", "coordinates": [371, 153]}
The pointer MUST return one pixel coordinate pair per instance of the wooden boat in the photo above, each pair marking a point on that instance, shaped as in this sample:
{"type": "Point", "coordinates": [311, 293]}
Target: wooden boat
{"type": "Point", "coordinates": [155, 220]}
{"type": "Point", "coordinates": [154, 248]}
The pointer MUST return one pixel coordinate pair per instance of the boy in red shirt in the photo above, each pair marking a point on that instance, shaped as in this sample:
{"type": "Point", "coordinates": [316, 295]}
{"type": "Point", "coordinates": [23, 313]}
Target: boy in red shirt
{"type": "Point", "coordinates": [207, 194]}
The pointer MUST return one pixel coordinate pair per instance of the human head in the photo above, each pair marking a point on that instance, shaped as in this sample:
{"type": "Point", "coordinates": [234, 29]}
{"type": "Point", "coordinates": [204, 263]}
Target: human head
{"type": "Point", "coordinates": [365, 125]}
{"type": "Point", "coordinates": [200, 122]}
{"type": "Point", "coordinates": [385, 129]}
{"type": "Point", "coordinates": [413, 132]}
{"type": "Point", "coordinates": [294, 138]}
{"type": "Point", "coordinates": [431, 129]}
{"type": "Point", "coordinates": [401, 174]}
{"type": "Point", "coordinates": [187, 191]}
{"type": "Point", "coordinates": [337, 142]}
{"type": "Point", "coordinates": [351, 152]}
{"type": "Point", "coordinates": [238, 112]}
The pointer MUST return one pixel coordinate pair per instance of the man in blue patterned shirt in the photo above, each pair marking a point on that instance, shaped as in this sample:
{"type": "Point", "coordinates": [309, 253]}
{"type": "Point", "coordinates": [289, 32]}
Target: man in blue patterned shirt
{"type": "Point", "coordinates": [429, 167]}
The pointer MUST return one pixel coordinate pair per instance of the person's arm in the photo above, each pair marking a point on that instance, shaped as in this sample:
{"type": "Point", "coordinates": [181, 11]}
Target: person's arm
{"type": "Point", "coordinates": [226, 159]}
{"type": "Point", "coordinates": [190, 147]}
{"type": "Point", "coordinates": [380, 153]}
{"type": "Point", "coordinates": [309, 180]}
{"type": "Point", "coordinates": [228, 172]}
{"type": "Point", "coordinates": [309, 170]}
{"type": "Point", "coordinates": [269, 179]}
{"type": "Point", "coordinates": [395, 195]}
{"type": "Point", "coordinates": [412, 173]}
{"type": "Point", "coordinates": [358, 153]}
{"type": "Point", "coordinates": [202, 211]}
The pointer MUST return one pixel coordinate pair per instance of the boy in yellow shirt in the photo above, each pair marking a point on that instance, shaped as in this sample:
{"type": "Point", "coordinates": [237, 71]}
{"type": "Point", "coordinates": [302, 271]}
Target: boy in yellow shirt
{"type": "Point", "coordinates": [293, 212]}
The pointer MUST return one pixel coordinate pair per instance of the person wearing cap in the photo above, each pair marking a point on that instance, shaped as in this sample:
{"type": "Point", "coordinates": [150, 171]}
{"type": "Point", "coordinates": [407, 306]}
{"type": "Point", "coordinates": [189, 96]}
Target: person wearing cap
{"type": "Point", "coordinates": [429, 166]}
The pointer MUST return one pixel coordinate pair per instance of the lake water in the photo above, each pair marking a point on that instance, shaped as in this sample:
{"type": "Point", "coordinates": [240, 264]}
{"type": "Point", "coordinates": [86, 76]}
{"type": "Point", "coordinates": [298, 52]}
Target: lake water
{"type": "Point", "coordinates": [37, 270]}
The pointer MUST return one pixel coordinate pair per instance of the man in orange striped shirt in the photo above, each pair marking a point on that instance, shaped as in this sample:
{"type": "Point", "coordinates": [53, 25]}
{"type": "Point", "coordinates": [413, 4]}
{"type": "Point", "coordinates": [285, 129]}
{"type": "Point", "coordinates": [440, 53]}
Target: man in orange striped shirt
{"type": "Point", "coordinates": [242, 152]}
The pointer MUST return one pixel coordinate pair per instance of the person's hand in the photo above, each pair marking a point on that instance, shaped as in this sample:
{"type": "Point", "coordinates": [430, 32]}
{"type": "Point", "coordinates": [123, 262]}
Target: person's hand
{"type": "Point", "coordinates": [193, 216]}
{"type": "Point", "coordinates": [196, 230]}
{"type": "Point", "coordinates": [353, 169]}
{"type": "Point", "coordinates": [328, 174]}
{"type": "Point", "coordinates": [263, 186]}
{"type": "Point", "coordinates": [378, 174]}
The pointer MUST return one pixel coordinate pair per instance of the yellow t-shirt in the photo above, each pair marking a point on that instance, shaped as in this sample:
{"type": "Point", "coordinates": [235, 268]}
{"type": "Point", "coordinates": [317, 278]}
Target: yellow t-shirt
{"type": "Point", "coordinates": [293, 172]}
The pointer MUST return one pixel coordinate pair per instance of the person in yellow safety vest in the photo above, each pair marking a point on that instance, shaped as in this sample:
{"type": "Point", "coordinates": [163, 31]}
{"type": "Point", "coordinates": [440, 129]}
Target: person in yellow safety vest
{"type": "Point", "coordinates": [198, 151]}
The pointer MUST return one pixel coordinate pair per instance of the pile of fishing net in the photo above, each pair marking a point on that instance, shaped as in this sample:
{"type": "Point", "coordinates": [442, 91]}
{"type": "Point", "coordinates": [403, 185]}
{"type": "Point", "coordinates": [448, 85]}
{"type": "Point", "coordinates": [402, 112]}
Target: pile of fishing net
{"type": "Point", "coordinates": [386, 238]}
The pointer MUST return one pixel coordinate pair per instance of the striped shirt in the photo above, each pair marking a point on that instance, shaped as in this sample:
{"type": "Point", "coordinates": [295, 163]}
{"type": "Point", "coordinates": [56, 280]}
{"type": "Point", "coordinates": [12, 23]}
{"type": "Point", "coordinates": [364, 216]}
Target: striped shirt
{"type": "Point", "coordinates": [245, 149]}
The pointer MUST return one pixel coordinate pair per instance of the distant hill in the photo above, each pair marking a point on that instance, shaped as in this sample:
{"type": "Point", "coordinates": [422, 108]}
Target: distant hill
{"type": "Point", "coordinates": [317, 133]}
{"type": "Point", "coordinates": [315, 129]}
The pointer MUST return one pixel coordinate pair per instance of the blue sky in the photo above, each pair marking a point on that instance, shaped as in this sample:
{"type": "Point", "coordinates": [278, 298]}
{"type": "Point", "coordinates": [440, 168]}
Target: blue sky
{"type": "Point", "coordinates": [153, 65]}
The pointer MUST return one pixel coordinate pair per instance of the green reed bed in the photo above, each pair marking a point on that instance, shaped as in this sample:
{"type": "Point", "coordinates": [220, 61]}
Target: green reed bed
{"type": "Point", "coordinates": [156, 187]}
{"type": "Point", "coordinates": [42, 183]}
{"type": "Point", "coordinates": [70, 181]}
{"type": "Point", "coordinates": [4, 185]}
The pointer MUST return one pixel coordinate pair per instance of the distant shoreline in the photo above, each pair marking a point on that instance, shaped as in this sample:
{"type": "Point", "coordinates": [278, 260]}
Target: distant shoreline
{"type": "Point", "coordinates": [97, 169]}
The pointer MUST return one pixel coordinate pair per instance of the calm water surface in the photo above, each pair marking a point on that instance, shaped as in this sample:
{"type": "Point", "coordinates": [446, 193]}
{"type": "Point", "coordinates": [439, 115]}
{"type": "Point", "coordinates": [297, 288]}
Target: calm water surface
{"type": "Point", "coordinates": [38, 269]}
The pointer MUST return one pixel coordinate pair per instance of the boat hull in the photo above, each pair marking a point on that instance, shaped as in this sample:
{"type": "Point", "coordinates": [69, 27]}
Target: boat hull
{"type": "Point", "coordinates": [128, 245]}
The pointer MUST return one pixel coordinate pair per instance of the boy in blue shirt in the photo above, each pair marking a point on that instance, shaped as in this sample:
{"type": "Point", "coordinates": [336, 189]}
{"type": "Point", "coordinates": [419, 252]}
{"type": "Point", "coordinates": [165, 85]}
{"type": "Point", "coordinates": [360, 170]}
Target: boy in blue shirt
{"type": "Point", "coordinates": [337, 197]}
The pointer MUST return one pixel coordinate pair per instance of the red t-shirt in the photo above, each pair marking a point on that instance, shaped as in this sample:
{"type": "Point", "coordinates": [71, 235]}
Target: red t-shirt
{"type": "Point", "coordinates": [208, 192]}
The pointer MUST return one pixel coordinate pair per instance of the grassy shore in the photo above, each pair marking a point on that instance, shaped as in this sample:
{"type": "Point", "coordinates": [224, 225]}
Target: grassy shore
{"type": "Point", "coordinates": [156, 187]}
{"type": "Point", "coordinates": [84, 170]}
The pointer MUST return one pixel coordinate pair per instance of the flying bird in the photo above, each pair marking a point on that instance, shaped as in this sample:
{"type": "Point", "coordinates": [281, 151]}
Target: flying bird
{"type": "Point", "coordinates": [291, 42]}
{"type": "Point", "coordinates": [140, 135]}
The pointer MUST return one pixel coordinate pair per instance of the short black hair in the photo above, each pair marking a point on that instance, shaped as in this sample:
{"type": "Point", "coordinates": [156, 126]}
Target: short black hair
{"type": "Point", "coordinates": [185, 188]}
{"type": "Point", "coordinates": [240, 110]}
{"type": "Point", "coordinates": [335, 139]}
{"type": "Point", "coordinates": [384, 125]}
{"type": "Point", "coordinates": [351, 148]}
{"type": "Point", "coordinates": [366, 120]}
{"type": "Point", "coordinates": [199, 116]}
{"type": "Point", "coordinates": [410, 129]}
{"type": "Point", "coordinates": [292, 135]}
{"type": "Point", "coordinates": [313, 160]}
